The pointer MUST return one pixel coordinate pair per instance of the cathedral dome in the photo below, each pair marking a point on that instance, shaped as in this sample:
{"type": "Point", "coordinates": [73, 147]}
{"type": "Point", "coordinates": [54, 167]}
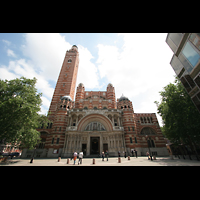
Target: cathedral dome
{"type": "Point", "coordinates": [110, 85]}
{"type": "Point", "coordinates": [80, 85]}
{"type": "Point", "coordinates": [68, 98]}
{"type": "Point", "coordinates": [75, 46]}
{"type": "Point", "coordinates": [122, 98]}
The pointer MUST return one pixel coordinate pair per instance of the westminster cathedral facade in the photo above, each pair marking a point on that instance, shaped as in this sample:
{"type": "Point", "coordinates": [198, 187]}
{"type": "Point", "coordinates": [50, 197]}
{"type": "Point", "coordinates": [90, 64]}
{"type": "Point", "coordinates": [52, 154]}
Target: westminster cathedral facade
{"type": "Point", "coordinates": [95, 121]}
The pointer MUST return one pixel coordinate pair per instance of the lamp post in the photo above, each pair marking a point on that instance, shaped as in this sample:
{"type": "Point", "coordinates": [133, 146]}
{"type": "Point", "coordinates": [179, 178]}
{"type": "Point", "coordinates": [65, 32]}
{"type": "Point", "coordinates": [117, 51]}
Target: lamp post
{"type": "Point", "coordinates": [147, 137]}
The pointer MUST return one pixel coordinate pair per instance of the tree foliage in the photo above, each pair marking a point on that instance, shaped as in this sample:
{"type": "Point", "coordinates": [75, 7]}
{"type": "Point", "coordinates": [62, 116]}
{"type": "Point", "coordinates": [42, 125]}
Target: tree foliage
{"type": "Point", "coordinates": [180, 116]}
{"type": "Point", "coordinates": [19, 107]}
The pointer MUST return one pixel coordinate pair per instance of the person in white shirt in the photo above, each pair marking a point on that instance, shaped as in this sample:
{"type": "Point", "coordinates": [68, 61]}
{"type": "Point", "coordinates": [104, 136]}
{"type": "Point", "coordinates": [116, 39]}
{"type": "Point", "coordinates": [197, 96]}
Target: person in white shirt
{"type": "Point", "coordinates": [80, 157]}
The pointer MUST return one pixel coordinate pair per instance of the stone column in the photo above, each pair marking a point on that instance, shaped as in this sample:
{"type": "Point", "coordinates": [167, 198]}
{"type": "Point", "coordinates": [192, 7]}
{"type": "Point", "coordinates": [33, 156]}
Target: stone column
{"type": "Point", "coordinates": [115, 142]}
{"type": "Point", "coordinates": [70, 143]}
{"type": "Point", "coordinates": [88, 145]}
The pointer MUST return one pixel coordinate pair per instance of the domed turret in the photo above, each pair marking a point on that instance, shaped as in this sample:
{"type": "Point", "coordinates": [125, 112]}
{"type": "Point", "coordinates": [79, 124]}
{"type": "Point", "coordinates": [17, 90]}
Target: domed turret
{"type": "Point", "coordinates": [110, 85]}
{"type": "Point", "coordinates": [66, 98]}
{"type": "Point", "coordinates": [75, 48]}
{"type": "Point", "coordinates": [122, 98]}
{"type": "Point", "coordinates": [80, 85]}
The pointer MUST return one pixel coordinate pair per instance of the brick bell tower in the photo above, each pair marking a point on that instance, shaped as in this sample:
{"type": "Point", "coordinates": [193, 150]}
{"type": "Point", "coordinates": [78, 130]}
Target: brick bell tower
{"type": "Point", "coordinates": [66, 82]}
{"type": "Point", "coordinates": [62, 100]}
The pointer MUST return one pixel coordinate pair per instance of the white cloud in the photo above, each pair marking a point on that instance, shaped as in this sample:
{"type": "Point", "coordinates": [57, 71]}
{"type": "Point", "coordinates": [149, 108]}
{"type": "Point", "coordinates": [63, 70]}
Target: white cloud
{"type": "Point", "coordinates": [45, 102]}
{"type": "Point", "coordinates": [22, 68]}
{"type": "Point", "coordinates": [5, 74]}
{"type": "Point", "coordinates": [46, 52]}
{"type": "Point", "coordinates": [11, 53]}
{"type": "Point", "coordinates": [139, 70]}
{"type": "Point", "coordinates": [6, 42]}
{"type": "Point", "coordinates": [87, 72]}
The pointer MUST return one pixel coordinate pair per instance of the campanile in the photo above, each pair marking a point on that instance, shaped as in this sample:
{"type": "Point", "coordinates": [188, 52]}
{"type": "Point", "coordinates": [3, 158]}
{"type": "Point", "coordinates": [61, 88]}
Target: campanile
{"type": "Point", "coordinates": [66, 82]}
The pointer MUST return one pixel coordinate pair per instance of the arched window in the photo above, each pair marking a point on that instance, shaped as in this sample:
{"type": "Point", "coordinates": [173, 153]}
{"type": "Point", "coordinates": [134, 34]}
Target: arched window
{"type": "Point", "coordinates": [141, 119]}
{"type": "Point", "coordinates": [147, 131]}
{"type": "Point", "coordinates": [51, 125]}
{"type": "Point", "coordinates": [115, 120]}
{"type": "Point", "coordinates": [104, 108]}
{"type": "Point", "coordinates": [42, 143]}
{"type": "Point", "coordinates": [95, 126]}
{"type": "Point", "coordinates": [150, 142]}
{"type": "Point", "coordinates": [70, 60]}
{"type": "Point", "coordinates": [73, 122]}
{"type": "Point", "coordinates": [148, 120]}
{"type": "Point", "coordinates": [85, 108]}
{"type": "Point", "coordinates": [95, 108]}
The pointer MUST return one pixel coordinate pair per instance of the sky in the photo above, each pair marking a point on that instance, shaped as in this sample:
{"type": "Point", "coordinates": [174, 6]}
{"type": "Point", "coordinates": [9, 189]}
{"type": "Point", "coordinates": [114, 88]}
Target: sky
{"type": "Point", "coordinates": [137, 64]}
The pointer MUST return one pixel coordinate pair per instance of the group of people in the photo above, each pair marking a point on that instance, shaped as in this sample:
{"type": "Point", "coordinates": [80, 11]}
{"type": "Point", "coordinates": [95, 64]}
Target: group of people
{"type": "Point", "coordinates": [133, 151]}
{"type": "Point", "coordinates": [80, 156]}
{"type": "Point", "coordinates": [103, 155]}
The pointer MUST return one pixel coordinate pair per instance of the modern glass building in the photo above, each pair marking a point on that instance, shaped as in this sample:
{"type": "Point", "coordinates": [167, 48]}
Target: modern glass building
{"type": "Point", "coordinates": [186, 62]}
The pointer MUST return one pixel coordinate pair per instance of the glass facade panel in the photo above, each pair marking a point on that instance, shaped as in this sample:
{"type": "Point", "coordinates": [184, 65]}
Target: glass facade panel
{"type": "Point", "coordinates": [176, 64]}
{"type": "Point", "coordinates": [191, 54]}
{"type": "Point", "coordinates": [176, 38]}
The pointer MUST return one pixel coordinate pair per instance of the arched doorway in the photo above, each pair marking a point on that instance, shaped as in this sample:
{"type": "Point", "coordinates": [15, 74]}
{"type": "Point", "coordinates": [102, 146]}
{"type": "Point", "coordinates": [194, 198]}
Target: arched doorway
{"type": "Point", "coordinates": [94, 145]}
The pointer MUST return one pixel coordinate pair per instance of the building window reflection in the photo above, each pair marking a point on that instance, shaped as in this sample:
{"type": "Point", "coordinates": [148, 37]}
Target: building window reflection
{"type": "Point", "coordinates": [191, 54]}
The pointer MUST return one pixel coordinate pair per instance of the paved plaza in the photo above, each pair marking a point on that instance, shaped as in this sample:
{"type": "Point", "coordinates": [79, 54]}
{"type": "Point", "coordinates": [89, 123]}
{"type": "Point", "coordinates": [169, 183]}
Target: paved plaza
{"type": "Point", "coordinates": [140, 161]}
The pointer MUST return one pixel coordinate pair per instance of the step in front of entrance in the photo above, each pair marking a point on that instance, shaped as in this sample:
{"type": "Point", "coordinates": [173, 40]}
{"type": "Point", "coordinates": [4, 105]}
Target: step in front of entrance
{"type": "Point", "coordinates": [92, 156]}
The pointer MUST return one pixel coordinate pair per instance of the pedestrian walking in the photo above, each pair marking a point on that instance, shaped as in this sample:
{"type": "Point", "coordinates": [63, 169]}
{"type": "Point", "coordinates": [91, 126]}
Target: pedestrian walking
{"type": "Point", "coordinates": [125, 154]}
{"type": "Point", "coordinates": [147, 155]}
{"type": "Point", "coordinates": [118, 153]}
{"type": "Point", "coordinates": [75, 156]}
{"type": "Point", "coordinates": [136, 153]}
{"type": "Point", "coordinates": [102, 155]}
{"type": "Point", "coordinates": [80, 157]}
{"type": "Point", "coordinates": [107, 154]}
{"type": "Point", "coordinates": [132, 150]}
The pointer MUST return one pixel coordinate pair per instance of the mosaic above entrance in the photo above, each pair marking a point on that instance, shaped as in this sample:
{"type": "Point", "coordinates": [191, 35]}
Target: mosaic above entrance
{"type": "Point", "coordinates": [95, 126]}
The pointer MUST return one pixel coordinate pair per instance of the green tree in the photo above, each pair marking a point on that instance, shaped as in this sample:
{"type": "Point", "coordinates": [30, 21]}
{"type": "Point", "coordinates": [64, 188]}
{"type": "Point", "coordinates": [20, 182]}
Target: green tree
{"type": "Point", "coordinates": [180, 116]}
{"type": "Point", "coordinates": [19, 107]}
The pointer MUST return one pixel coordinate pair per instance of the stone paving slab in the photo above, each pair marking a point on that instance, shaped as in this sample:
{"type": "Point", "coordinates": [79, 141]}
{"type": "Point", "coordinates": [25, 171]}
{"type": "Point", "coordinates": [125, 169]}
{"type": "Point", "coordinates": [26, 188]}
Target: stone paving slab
{"type": "Point", "coordinates": [140, 161]}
